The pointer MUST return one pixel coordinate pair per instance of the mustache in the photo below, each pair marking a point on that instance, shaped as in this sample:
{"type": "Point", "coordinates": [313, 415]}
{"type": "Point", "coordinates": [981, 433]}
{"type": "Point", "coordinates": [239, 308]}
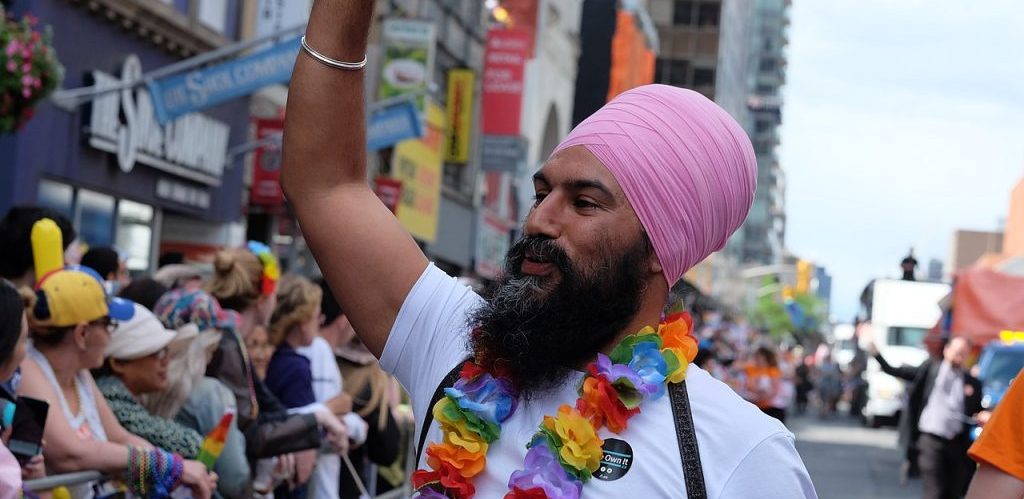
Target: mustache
{"type": "Point", "coordinates": [540, 249]}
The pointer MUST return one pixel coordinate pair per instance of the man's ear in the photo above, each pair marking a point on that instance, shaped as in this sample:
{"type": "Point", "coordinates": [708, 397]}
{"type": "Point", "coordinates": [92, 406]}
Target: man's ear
{"type": "Point", "coordinates": [654, 264]}
{"type": "Point", "coordinates": [116, 366]}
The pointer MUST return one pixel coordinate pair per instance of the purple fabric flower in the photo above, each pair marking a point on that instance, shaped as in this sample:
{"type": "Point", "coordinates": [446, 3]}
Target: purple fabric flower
{"type": "Point", "coordinates": [541, 469]}
{"type": "Point", "coordinates": [490, 398]}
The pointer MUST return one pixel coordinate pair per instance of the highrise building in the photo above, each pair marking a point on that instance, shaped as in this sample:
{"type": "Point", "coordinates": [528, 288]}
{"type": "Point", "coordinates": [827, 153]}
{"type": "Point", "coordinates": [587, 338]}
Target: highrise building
{"type": "Point", "coordinates": [763, 234]}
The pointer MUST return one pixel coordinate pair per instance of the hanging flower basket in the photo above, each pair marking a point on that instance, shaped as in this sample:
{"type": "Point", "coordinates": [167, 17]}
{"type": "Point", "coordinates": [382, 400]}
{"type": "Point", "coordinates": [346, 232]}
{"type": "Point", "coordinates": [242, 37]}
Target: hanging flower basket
{"type": "Point", "coordinates": [29, 70]}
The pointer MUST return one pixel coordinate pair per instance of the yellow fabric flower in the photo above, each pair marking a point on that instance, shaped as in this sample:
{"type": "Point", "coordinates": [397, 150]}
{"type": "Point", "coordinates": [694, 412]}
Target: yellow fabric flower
{"type": "Point", "coordinates": [457, 432]}
{"type": "Point", "coordinates": [581, 447]}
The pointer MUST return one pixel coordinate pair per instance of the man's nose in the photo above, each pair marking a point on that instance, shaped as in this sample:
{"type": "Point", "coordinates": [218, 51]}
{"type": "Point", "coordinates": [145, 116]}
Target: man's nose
{"type": "Point", "coordinates": [544, 219]}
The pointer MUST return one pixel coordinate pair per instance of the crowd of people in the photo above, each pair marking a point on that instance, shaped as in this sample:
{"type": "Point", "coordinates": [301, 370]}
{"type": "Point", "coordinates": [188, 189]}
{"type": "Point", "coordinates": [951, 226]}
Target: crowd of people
{"type": "Point", "coordinates": [778, 378]}
{"type": "Point", "coordinates": [235, 382]}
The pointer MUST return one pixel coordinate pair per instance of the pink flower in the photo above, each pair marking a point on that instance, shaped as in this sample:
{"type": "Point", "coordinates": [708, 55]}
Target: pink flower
{"type": "Point", "coordinates": [26, 92]}
{"type": "Point", "coordinates": [12, 66]}
{"type": "Point", "coordinates": [26, 67]}
{"type": "Point", "coordinates": [26, 80]}
{"type": "Point", "coordinates": [36, 82]}
{"type": "Point", "coordinates": [12, 47]}
{"type": "Point", "coordinates": [26, 52]}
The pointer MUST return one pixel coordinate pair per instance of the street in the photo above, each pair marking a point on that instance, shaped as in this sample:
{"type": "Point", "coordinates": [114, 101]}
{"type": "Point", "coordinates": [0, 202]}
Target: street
{"type": "Point", "coordinates": [847, 461]}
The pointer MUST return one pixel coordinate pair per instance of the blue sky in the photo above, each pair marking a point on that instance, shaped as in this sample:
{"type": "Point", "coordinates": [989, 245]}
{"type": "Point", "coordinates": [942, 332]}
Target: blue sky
{"type": "Point", "coordinates": [903, 121]}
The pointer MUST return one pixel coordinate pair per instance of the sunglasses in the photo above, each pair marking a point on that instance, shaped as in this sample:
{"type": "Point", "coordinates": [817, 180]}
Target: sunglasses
{"type": "Point", "coordinates": [106, 322]}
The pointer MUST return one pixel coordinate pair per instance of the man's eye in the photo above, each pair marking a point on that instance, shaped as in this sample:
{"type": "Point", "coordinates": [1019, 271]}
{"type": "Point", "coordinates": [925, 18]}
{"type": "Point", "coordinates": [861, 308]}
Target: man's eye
{"type": "Point", "coordinates": [583, 203]}
{"type": "Point", "coordinates": [538, 197]}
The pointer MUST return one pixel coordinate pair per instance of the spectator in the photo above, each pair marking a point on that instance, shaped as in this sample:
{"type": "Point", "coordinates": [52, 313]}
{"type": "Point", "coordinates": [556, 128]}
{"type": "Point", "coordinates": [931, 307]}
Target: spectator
{"type": "Point", "coordinates": [804, 385]}
{"type": "Point", "coordinates": [245, 285]}
{"type": "Point", "coordinates": [137, 364]}
{"type": "Point", "coordinates": [170, 258]}
{"type": "Point", "coordinates": [294, 326]}
{"type": "Point", "coordinates": [70, 324]}
{"type": "Point", "coordinates": [145, 291]}
{"type": "Point", "coordinates": [369, 388]}
{"type": "Point", "coordinates": [829, 382]}
{"type": "Point", "coordinates": [260, 349]}
{"type": "Point", "coordinates": [13, 345]}
{"type": "Point", "coordinates": [16, 262]}
{"type": "Point", "coordinates": [179, 276]}
{"type": "Point", "coordinates": [110, 265]}
{"type": "Point", "coordinates": [764, 382]}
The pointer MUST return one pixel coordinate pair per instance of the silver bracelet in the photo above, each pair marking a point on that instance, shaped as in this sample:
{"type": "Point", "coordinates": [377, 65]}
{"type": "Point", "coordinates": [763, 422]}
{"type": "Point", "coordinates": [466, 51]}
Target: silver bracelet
{"type": "Point", "coordinates": [333, 63]}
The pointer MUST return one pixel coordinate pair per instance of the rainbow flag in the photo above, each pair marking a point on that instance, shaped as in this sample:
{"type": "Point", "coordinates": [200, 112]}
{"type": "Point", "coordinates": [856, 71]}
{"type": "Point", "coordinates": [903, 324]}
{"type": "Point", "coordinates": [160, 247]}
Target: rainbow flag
{"type": "Point", "coordinates": [213, 444]}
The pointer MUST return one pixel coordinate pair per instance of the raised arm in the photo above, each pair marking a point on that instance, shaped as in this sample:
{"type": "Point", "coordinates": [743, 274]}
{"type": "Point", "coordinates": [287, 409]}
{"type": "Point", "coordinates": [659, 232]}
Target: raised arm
{"type": "Point", "coordinates": [368, 259]}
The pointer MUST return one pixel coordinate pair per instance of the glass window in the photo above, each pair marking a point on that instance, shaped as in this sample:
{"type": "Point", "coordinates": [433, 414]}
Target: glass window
{"type": "Point", "coordinates": [678, 72]}
{"type": "Point", "coordinates": [58, 196]}
{"type": "Point", "coordinates": [703, 77]}
{"type": "Point", "coordinates": [214, 14]}
{"type": "Point", "coordinates": [907, 336]}
{"type": "Point", "coordinates": [135, 233]}
{"type": "Point", "coordinates": [707, 14]}
{"type": "Point", "coordinates": [682, 13]}
{"type": "Point", "coordinates": [95, 218]}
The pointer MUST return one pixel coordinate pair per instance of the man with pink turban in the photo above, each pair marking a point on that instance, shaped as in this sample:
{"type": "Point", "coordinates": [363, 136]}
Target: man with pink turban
{"type": "Point", "coordinates": [647, 187]}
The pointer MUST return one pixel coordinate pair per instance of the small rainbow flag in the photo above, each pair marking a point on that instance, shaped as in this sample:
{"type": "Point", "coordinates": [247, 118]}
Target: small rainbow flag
{"type": "Point", "coordinates": [213, 444]}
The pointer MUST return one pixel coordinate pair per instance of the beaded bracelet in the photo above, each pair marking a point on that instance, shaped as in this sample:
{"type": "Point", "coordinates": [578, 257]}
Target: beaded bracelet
{"type": "Point", "coordinates": [154, 473]}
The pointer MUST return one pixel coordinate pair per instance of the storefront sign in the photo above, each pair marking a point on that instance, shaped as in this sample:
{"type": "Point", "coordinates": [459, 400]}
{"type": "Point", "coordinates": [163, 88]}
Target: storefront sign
{"type": "Point", "coordinates": [504, 63]}
{"type": "Point", "coordinates": [502, 152]}
{"type": "Point", "coordinates": [393, 124]}
{"type": "Point", "coordinates": [407, 63]}
{"type": "Point", "coordinates": [266, 173]}
{"type": "Point", "coordinates": [193, 146]}
{"type": "Point", "coordinates": [180, 94]}
{"type": "Point", "coordinates": [492, 244]}
{"type": "Point", "coordinates": [460, 115]}
{"type": "Point", "coordinates": [417, 164]}
{"type": "Point", "coordinates": [389, 191]}
{"type": "Point", "coordinates": [184, 194]}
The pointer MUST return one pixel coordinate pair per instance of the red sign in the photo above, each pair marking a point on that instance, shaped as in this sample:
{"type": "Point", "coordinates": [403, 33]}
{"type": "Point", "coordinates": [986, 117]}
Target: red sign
{"type": "Point", "coordinates": [504, 65]}
{"type": "Point", "coordinates": [266, 173]}
{"type": "Point", "coordinates": [389, 191]}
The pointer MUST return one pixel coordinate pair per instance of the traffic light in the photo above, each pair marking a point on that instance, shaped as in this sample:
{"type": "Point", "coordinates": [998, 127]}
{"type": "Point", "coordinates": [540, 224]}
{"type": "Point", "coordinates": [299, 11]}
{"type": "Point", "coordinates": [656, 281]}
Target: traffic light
{"type": "Point", "coordinates": [804, 269]}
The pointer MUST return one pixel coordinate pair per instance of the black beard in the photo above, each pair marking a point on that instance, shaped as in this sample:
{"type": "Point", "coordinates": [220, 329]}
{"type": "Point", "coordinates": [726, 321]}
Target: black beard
{"type": "Point", "coordinates": [538, 333]}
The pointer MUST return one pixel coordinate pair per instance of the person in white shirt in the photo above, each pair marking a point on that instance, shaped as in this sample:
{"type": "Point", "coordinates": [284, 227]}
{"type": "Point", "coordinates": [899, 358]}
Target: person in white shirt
{"type": "Point", "coordinates": [638, 193]}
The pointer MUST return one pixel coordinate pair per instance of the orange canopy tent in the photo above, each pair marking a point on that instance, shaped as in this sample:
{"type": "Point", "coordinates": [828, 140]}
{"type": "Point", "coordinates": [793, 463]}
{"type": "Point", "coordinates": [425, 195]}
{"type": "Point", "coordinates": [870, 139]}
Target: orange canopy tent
{"type": "Point", "coordinates": [984, 303]}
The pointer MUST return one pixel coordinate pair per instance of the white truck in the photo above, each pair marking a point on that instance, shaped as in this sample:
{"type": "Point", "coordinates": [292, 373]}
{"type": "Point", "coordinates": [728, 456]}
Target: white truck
{"type": "Point", "coordinates": [900, 313]}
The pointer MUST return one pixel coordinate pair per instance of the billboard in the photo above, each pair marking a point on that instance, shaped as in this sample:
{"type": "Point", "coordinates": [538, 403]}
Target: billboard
{"type": "Point", "coordinates": [417, 165]}
{"type": "Point", "coordinates": [407, 59]}
{"type": "Point", "coordinates": [460, 115]}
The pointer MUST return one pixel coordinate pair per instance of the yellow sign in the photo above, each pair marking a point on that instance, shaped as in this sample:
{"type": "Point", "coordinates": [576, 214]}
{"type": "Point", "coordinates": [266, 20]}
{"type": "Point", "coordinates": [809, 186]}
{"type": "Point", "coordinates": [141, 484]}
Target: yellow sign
{"type": "Point", "coordinates": [1010, 337]}
{"type": "Point", "coordinates": [417, 164]}
{"type": "Point", "coordinates": [460, 115]}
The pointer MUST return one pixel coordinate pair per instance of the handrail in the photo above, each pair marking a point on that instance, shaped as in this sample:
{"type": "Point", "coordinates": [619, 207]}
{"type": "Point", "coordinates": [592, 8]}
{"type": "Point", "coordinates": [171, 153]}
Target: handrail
{"type": "Point", "coordinates": [64, 480]}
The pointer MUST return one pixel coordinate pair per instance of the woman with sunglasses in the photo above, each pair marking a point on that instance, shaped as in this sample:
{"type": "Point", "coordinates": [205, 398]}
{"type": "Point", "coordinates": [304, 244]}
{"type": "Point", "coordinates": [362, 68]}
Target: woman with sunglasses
{"type": "Point", "coordinates": [70, 323]}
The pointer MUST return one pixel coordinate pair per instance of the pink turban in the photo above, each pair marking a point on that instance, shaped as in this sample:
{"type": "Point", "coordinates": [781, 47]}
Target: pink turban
{"type": "Point", "coordinates": [685, 165]}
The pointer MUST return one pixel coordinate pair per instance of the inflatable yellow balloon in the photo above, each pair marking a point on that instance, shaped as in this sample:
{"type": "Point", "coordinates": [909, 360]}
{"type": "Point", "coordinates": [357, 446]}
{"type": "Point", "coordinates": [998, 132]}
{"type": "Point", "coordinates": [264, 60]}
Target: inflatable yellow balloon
{"type": "Point", "coordinates": [47, 247]}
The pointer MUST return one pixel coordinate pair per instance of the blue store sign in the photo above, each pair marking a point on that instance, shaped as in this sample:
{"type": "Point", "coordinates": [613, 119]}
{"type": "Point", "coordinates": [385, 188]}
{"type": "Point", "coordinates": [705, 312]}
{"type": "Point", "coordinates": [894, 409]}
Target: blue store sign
{"type": "Point", "coordinates": [392, 124]}
{"type": "Point", "coordinates": [181, 94]}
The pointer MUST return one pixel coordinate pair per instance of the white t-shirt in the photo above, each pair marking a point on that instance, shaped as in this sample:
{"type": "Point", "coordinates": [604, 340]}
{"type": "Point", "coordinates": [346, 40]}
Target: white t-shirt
{"type": "Point", "coordinates": [743, 452]}
{"type": "Point", "coordinates": [326, 385]}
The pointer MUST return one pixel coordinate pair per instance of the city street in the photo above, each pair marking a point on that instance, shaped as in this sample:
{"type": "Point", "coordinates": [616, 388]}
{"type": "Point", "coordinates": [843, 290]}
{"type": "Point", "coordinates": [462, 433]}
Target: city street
{"type": "Point", "coordinates": [847, 461]}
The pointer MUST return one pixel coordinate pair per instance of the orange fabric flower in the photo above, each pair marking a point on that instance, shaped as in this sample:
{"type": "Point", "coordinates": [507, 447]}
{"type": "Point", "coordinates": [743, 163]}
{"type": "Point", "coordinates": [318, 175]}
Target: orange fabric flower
{"type": "Point", "coordinates": [469, 464]}
{"type": "Point", "coordinates": [676, 335]}
{"type": "Point", "coordinates": [600, 404]}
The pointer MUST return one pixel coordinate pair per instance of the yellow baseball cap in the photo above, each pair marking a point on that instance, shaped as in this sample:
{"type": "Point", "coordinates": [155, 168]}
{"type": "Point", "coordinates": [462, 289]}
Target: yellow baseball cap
{"type": "Point", "coordinates": [68, 297]}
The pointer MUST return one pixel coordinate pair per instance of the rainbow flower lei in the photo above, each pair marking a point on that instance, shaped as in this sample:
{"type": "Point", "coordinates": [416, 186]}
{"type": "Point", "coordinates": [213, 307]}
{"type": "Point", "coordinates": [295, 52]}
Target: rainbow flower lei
{"type": "Point", "coordinates": [566, 450]}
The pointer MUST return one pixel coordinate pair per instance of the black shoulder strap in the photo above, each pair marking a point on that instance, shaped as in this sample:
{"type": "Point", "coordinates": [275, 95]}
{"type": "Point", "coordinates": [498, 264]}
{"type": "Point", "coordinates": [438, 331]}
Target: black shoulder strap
{"type": "Point", "coordinates": [686, 437]}
{"type": "Point", "coordinates": [428, 417]}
